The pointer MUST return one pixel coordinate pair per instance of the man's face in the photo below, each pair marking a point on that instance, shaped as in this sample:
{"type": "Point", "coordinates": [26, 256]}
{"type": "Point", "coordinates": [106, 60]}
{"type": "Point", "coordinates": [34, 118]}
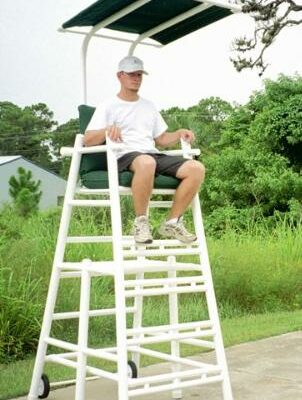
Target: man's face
{"type": "Point", "coordinates": [131, 80]}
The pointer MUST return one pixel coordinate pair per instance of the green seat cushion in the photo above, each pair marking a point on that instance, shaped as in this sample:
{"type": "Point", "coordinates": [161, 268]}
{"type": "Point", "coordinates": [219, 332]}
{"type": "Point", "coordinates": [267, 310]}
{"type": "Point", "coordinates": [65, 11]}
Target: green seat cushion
{"type": "Point", "coordinates": [99, 180]}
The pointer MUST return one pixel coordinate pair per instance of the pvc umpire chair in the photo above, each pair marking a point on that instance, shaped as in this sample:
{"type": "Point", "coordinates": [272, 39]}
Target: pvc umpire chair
{"type": "Point", "coordinates": [163, 268]}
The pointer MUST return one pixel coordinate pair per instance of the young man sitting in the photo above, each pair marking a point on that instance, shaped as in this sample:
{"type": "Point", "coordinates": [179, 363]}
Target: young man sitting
{"type": "Point", "coordinates": [135, 121]}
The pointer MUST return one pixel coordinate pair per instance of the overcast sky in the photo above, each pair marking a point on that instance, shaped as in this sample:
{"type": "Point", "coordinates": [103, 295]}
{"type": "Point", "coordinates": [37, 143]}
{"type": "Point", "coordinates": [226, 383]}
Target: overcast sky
{"type": "Point", "coordinates": [38, 64]}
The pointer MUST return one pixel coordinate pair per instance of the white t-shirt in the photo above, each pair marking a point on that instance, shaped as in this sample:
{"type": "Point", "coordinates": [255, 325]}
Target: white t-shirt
{"type": "Point", "coordinates": [140, 123]}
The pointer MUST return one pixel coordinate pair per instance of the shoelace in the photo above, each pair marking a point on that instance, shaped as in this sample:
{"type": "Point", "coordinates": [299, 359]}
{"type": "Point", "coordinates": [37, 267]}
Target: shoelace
{"type": "Point", "coordinates": [143, 227]}
{"type": "Point", "coordinates": [180, 228]}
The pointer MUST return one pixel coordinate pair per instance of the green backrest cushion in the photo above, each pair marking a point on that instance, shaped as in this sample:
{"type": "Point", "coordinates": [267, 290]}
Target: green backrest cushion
{"type": "Point", "coordinates": [85, 115]}
{"type": "Point", "coordinates": [93, 161]}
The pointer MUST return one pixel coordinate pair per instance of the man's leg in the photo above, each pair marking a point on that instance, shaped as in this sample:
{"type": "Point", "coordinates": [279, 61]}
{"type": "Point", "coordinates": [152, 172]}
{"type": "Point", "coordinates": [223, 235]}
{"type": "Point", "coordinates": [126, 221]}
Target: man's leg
{"type": "Point", "coordinates": [192, 175]}
{"type": "Point", "coordinates": [143, 167]}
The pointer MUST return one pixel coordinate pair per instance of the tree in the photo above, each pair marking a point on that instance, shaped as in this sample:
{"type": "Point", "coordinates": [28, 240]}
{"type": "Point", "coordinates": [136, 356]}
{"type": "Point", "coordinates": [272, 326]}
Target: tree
{"type": "Point", "coordinates": [258, 161]}
{"type": "Point", "coordinates": [272, 118]}
{"type": "Point", "coordinates": [277, 126]}
{"type": "Point", "coordinates": [271, 17]}
{"type": "Point", "coordinates": [209, 118]}
{"type": "Point", "coordinates": [64, 135]}
{"type": "Point", "coordinates": [26, 131]}
{"type": "Point", "coordinates": [206, 119]}
{"type": "Point", "coordinates": [25, 192]}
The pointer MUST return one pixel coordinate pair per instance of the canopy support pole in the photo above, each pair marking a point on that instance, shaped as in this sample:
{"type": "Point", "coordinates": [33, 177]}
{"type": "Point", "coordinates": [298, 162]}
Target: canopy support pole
{"type": "Point", "coordinates": [103, 24]}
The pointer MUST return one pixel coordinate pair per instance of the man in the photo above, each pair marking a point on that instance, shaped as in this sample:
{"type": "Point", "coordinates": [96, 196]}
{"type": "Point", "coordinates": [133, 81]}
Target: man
{"type": "Point", "coordinates": [133, 120]}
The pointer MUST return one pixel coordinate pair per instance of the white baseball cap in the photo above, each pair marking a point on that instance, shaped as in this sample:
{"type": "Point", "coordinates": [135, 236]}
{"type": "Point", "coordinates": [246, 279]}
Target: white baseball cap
{"type": "Point", "coordinates": [131, 64]}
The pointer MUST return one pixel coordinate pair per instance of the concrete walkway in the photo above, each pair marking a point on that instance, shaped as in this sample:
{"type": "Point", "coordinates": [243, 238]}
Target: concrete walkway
{"type": "Point", "coordinates": [269, 369]}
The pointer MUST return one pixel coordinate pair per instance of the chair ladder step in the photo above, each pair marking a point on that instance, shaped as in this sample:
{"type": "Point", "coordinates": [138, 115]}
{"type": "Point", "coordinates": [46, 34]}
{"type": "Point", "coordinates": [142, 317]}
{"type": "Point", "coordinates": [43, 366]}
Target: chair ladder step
{"type": "Point", "coordinates": [89, 203]}
{"type": "Point", "coordinates": [162, 286]}
{"type": "Point", "coordinates": [161, 252]}
{"type": "Point", "coordinates": [167, 333]}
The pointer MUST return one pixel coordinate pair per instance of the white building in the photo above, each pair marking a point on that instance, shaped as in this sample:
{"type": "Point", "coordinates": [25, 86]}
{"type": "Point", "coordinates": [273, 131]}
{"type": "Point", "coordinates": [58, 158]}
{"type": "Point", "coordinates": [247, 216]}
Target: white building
{"type": "Point", "coordinates": [52, 185]}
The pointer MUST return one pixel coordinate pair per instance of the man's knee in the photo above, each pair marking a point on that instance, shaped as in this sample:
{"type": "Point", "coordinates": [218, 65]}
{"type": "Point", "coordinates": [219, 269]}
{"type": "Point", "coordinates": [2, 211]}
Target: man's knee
{"type": "Point", "coordinates": [200, 170]}
{"type": "Point", "coordinates": [193, 169]}
{"type": "Point", "coordinates": [144, 163]}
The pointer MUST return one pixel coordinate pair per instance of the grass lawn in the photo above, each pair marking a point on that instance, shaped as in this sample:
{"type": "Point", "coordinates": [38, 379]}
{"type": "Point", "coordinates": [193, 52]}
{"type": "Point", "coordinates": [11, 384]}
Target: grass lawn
{"type": "Point", "coordinates": [15, 377]}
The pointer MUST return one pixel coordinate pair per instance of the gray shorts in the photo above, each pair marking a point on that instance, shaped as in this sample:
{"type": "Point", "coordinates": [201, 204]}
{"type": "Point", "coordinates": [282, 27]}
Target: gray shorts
{"type": "Point", "coordinates": [165, 164]}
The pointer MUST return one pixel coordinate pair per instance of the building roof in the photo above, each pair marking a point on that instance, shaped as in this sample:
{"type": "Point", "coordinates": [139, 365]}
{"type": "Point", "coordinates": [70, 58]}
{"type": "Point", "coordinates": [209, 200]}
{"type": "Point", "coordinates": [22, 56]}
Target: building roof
{"type": "Point", "coordinates": [174, 19]}
{"type": "Point", "coordinates": [8, 159]}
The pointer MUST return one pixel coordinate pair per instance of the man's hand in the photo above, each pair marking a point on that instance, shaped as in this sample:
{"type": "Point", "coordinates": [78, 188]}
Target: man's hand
{"type": "Point", "coordinates": [167, 139]}
{"type": "Point", "coordinates": [186, 135]}
{"type": "Point", "coordinates": [114, 133]}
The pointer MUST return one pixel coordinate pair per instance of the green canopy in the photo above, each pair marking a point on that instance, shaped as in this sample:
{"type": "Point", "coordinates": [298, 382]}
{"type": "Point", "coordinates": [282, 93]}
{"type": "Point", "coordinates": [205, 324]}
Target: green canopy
{"type": "Point", "coordinates": [151, 15]}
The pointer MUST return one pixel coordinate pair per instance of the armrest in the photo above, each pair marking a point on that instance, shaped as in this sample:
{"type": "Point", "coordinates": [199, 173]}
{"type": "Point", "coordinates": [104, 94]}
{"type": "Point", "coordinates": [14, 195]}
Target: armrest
{"type": "Point", "coordinates": [68, 151]}
{"type": "Point", "coordinates": [191, 152]}
{"type": "Point", "coordinates": [186, 151]}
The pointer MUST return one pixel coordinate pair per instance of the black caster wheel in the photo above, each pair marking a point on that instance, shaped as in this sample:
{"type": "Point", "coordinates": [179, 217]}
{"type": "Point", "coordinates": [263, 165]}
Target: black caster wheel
{"type": "Point", "coordinates": [132, 369]}
{"type": "Point", "coordinates": [44, 387]}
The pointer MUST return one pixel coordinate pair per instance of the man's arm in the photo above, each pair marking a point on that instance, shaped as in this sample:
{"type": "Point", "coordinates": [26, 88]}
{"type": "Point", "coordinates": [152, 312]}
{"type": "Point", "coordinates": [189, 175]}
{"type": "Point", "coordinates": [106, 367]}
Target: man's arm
{"type": "Point", "coordinates": [96, 137]}
{"type": "Point", "coordinates": [168, 139]}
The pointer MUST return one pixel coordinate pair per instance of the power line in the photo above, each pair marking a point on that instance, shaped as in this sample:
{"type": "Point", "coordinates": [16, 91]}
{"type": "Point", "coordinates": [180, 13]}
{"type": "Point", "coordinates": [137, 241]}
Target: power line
{"type": "Point", "coordinates": [19, 152]}
{"type": "Point", "coordinates": [16, 137]}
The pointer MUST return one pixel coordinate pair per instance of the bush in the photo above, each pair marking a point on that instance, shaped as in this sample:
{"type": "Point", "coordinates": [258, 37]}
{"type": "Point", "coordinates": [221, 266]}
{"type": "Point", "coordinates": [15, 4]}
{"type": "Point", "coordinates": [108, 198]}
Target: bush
{"type": "Point", "coordinates": [257, 162]}
{"type": "Point", "coordinates": [20, 315]}
{"type": "Point", "coordinates": [260, 270]}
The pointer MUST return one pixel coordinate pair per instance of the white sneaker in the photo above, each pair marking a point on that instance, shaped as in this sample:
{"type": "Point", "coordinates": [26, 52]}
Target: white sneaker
{"type": "Point", "coordinates": [176, 231]}
{"type": "Point", "coordinates": [142, 232]}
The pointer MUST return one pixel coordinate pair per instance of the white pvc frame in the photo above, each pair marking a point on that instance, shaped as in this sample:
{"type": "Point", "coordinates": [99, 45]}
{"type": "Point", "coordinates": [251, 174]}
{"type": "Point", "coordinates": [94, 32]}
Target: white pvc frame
{"type": "Point", "coordinates": [130, 259]}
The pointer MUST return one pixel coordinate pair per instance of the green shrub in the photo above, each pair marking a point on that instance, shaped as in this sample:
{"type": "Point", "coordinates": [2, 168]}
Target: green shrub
{"type": "Point", "coordinates": [259, 272]}
{"type": "Point", "coordinates": [20, 315]}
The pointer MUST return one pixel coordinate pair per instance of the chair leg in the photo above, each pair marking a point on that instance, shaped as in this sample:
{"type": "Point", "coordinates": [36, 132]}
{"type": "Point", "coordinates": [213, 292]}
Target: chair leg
{"type": "Point", "coordinates": [173, 313]}
{"type": "Point", "coordinates": [211, 299]}
{"type": "Point", "coordinates": [83, 333]}
{"type": "Point", "coordinates": [119, 279]}
{"type": "Point", "coordinates": [45, 331]}
{"type": "Point", "coordinates": [55, 275]}
{"type": "Point", "coordinates": [121, 336]}
{"type": "Point", "coordinates": [137, 318]}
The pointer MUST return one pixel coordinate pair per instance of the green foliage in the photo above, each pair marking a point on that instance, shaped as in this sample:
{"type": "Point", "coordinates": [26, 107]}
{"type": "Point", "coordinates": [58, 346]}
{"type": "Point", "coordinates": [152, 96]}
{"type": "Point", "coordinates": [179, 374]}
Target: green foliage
{"type": "Point", "coordinates": [257, 163]}
{"type": "Point", "coordinates": [20, 313]}
{"type": "Point", "coordinates": [255, 270]}
{"type": "Point", "coordinates": [278, 128]}
{"type": "Point", "coordinates": [211, 115]}
{"type": "Point", "coordinates": [259, 270]}
{"type": "Point", "coordinates": [207, 119]}
{"type": "Point", "coordinates": [26, 131]}
{"type": "Point", "coordinates": [30, 132]}
{"type": "Point", "coordinates": [25, 192]}
{"type": "Point", "coordinates": [64, 135]}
